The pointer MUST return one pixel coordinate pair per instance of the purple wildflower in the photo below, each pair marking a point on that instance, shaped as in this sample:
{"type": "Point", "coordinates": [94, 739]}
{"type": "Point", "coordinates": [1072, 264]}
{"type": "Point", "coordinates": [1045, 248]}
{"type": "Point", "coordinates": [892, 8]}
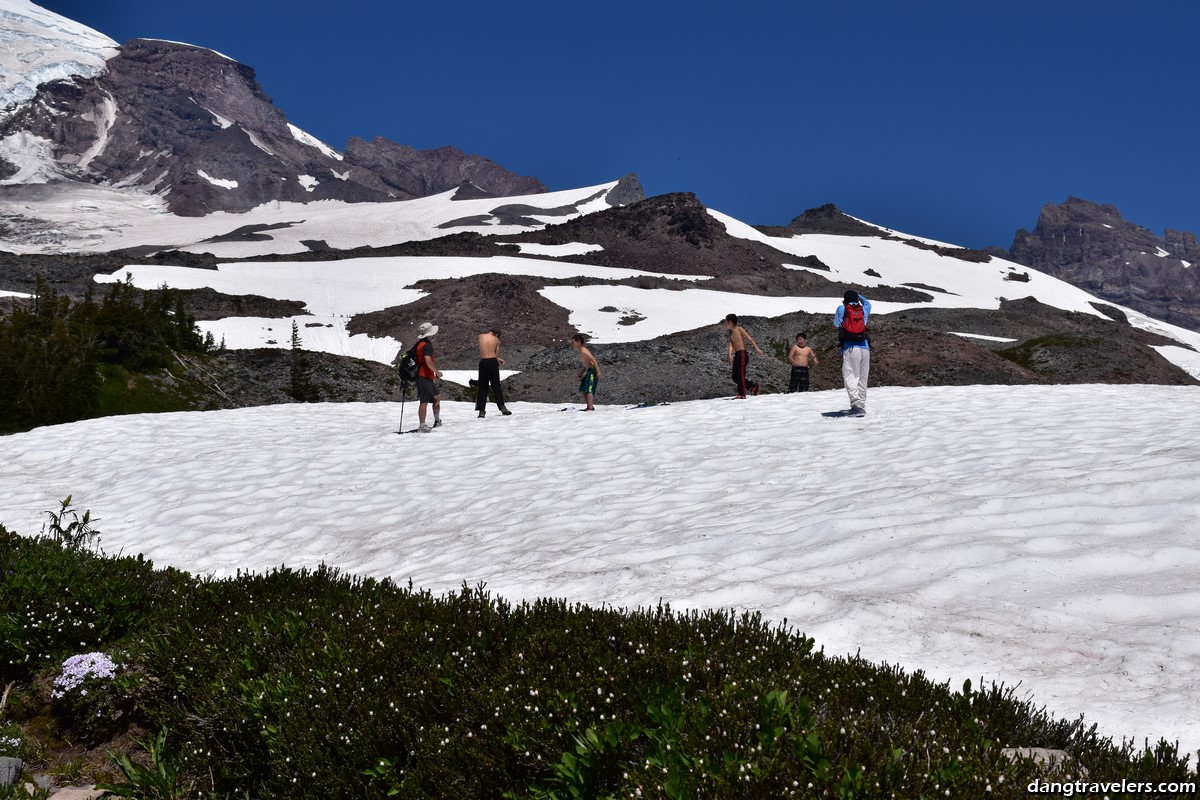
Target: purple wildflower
{"type": "Point", "coordinates": [77, 669]}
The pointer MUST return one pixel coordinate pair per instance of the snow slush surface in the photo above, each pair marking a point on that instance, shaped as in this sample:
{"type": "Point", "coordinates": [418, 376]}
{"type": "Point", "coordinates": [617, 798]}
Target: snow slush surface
{"type": "Point", "coordinates": [1035, 535]}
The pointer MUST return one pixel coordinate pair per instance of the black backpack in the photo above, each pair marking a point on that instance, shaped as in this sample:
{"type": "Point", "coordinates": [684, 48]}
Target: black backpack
{"type": "Point", "coordinates": [409, 366]}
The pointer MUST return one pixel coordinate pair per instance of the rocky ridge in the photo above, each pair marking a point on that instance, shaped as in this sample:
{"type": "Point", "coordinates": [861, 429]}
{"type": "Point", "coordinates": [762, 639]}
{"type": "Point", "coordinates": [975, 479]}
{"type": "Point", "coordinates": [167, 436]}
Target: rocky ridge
{"type": "Point", "coordinates": [1093, 247]}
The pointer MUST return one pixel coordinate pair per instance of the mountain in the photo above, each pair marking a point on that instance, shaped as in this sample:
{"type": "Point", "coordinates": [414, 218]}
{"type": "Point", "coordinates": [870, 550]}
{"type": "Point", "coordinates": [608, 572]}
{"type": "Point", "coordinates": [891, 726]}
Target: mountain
{"type": "Point", "coordinates": [352, 250]}
{"type": "Point", "coordinates": [1092, 246]}
{"type": "Point", "coordinates": [191, 126]}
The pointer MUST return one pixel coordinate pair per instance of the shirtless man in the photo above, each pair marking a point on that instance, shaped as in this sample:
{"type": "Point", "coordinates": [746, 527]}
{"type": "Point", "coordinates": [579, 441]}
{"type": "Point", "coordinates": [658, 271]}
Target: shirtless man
{"type": "Point", "coordinates": [590, 374]}
{"type": "Point", "coordinates": [738, 357]}
{"type": "Point", "coordinates": [801, 357]}
{"type": "Point", "coordinates": [490, 363]}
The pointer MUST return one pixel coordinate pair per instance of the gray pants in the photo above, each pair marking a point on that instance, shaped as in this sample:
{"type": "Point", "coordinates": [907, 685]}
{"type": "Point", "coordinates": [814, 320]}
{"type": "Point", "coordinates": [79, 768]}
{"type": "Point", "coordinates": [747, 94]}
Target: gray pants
{"type": "Point", "coordinates": [856, 367]}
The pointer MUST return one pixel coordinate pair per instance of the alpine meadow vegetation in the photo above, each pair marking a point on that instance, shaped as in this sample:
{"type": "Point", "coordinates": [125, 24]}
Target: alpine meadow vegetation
{"type": "Point", "coordinates": [314, 684]}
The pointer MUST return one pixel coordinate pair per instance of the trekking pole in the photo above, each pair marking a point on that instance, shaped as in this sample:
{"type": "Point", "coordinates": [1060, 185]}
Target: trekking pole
{"type": "Point", "coordinates": [403, 394]}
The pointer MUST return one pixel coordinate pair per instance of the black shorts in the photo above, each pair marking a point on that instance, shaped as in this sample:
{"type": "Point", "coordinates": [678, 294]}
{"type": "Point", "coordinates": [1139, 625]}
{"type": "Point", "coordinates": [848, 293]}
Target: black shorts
{"type": "Point", "coordinates": [427, 392]}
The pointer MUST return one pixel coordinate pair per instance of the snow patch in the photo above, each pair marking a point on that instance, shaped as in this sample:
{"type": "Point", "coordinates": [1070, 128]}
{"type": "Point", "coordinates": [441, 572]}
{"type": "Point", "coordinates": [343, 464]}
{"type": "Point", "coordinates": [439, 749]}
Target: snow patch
{"type": "Point", "coordinates": [224, 184]}
{"type": "Point", "coordinates": [193, 46]}
{"type": "Point", "coordinates": [254, 140]}
{"type": "Point", "coordinates": [33, 157]}
{"type": "Point", "coordinates": [218, 120]}
{"type": "Point", "coordinates": [463, 377]}
{"type": "Point", "coordinates": [981, 336]}
{"type": "Point", "coordinates": [1185, 358]}
{"type": "Point", "coordinates": [312, 141]}
{"type": "Point", "coordinates": [557, 250]}
{"type": "Point", "coordinates": [308, 182]}
{"type": "Point", "coordinates": [103, 118]}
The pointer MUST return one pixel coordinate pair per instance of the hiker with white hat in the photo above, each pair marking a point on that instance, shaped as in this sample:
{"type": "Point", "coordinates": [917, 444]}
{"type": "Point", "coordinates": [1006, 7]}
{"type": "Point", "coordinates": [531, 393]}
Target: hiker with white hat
{"type": "Point", "coordinates": [427, 391]}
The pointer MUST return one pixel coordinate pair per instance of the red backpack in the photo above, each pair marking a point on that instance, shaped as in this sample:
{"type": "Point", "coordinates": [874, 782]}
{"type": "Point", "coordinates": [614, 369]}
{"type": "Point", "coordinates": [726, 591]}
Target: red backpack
{"type": "Point", "coordinates": [854, 325]}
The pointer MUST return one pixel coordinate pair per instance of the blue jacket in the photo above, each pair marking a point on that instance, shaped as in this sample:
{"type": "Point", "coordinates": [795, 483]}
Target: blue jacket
{"type": "Point", "coordinates": [841, 312]}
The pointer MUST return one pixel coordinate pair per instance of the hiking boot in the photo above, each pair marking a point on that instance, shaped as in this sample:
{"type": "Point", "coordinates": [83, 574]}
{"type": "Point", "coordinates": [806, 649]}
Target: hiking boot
{"type": "Point", "coordinates": [482, 414]}
{"type": "Point", "coordinates": [740, 397]}
{"type": "Point", "coordinates": [425, 429]}
{"type": "Point", "coordinates": [858, 411]}
{"type": "Point", "coordinates": [437, 423]}
{"type": "Point", "coordinates": [754, 390]}
{"type": "Point", "coordinates": [506, 412]}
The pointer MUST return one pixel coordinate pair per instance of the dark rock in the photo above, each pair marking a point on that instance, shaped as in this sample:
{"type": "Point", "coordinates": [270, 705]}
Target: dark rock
{"type": "Point", "coordinates": [10, 770]}
{"type": "Point", "coordinates": [1093, 247]}
{"type": "Point", "coordinates": [628, 190]}
{"type": "Point", "coordinates": [250, 233]}
{"type": "Point", "coordinates": [961, 253]}
{"type": "Point", "coordinates": [402, 172]}
{"type": "Point", "coordinates": [469, 191]}
{"type": "Point", "coordinates": [466, 307]}
{"type": "Point", "coordinates": [826, 219]}
{"type": "Point", "coordinates": [209, 304]}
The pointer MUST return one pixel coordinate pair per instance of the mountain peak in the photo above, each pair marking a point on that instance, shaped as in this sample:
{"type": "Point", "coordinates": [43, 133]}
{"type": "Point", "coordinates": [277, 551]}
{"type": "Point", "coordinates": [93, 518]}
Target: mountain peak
{"type": "Point", "coordinates": [191, 125]}
{"type": "Point", "coordinates": [41, 46]}
{"type": "Point", "coordinates": [1092, 246]}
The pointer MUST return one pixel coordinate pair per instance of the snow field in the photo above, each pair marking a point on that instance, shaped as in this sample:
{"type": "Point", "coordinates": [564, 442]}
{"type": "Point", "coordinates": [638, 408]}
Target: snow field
{"type": "Point", "coordinates": [1033, 535]}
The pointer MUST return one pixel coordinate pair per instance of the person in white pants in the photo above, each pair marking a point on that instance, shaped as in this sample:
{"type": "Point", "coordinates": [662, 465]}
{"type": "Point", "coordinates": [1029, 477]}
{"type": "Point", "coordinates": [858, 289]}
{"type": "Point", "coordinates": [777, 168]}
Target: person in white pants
{"type": "Point", "coordinates": [851, 319]}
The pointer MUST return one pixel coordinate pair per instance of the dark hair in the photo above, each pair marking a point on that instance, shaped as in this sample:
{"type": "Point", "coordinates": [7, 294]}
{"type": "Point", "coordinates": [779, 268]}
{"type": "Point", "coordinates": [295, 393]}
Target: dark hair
{"type": "Point", "coordinates": [731, 318]}
{"type": "Point", "coordinates": [582, 338]}
{"type": "Point", "coordinates": [803, 335]}
{"type": "Point", "coordinates": [495, 332]}
{"type": "Point", "coordinates": [850, 296]}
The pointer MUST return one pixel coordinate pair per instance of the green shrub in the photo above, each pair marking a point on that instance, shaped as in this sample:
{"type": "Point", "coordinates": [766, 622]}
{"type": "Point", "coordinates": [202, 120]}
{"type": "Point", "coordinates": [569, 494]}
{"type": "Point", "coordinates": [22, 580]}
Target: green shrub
{"type": "Point", "coordinates": [57, 601]}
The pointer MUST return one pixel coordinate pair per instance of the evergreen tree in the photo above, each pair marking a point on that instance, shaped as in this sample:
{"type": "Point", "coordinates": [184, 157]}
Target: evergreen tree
{"type": "Point", "coordinates": [302, 389]}
{"type": "Point", "coordinates": [47, 365]}
{"type": "Point", "coordinates": [50, 354]}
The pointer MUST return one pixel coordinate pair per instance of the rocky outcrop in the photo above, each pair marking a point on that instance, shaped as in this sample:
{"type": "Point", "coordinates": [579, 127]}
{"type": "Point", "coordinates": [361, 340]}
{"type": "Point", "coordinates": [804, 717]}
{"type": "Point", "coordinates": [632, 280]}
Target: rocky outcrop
{"type": "Point", "coordinates": [825, 219]}
{"type": "Point", "coordinates": [401, 172]}
{"type": "Point", "coordinates": [464, 308]}
{"type": "Point", "coordinates": [672, 233]}
{"type": "Point", "coordinates": [1093, 247]}
{"type": "Point", "coordinates": [675, 234]}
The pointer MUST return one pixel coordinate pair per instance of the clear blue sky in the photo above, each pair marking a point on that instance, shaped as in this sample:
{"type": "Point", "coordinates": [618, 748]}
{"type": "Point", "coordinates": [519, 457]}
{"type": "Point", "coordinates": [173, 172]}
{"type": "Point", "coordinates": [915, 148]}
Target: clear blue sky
{"type": "Point", "coordinates": [955, 120]}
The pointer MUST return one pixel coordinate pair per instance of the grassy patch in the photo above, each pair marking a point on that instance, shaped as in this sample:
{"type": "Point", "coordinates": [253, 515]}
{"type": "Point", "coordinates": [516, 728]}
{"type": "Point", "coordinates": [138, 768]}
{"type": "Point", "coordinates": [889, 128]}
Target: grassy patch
{"type": "Point", "coordinates": [125, 392]}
